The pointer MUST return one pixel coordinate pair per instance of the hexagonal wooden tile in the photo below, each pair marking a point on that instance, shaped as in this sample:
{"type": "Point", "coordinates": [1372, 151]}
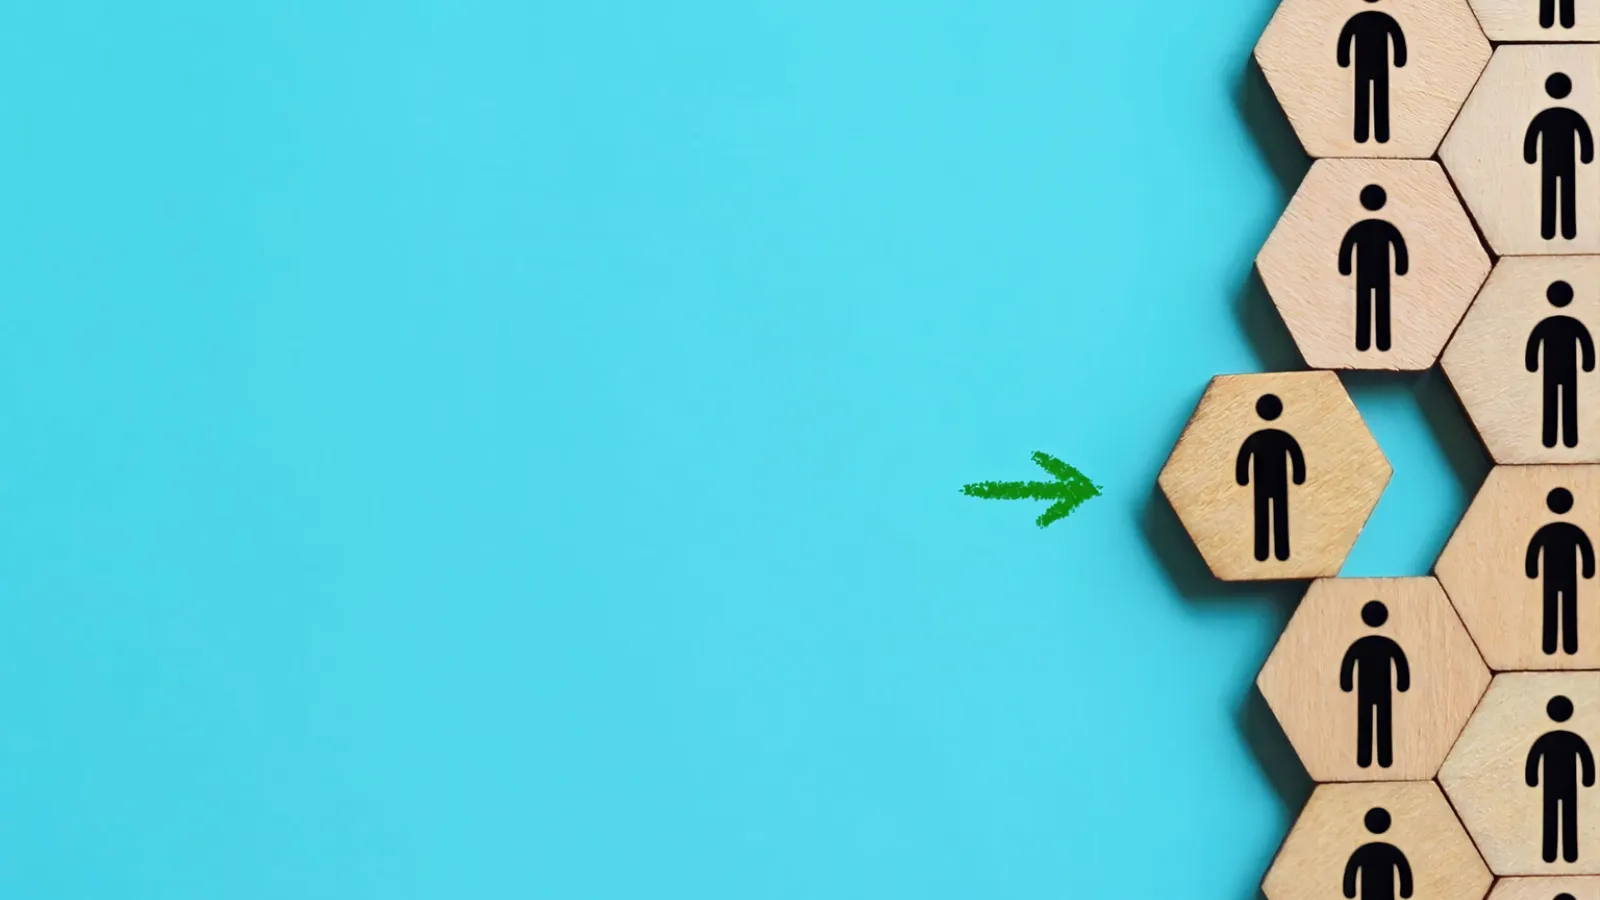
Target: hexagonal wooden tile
{"type": "Point", "coordinates": [1522, 776]}
{"type": "Point", "coordinates": [1274, 475]}
{"type": "Point", "coordinates": [1392, 839]}
{"type": "Point", "coordinates": [1372, 77]}
{"type": "Point", "coordinates": [1523, 360]}
{"type": "Point", "coordinates": [1522, 151]}
{"type": "Point", "coordinates": [1576, 887]}
{"type": "Point", "coordinates": [1537, 21]}
{"type": "Point", "coordinates": [1520, 568]}
{"type": "Point", "coordinates": [1373, 679]}
{"type": "Point", "coordinates": [1373, 264]}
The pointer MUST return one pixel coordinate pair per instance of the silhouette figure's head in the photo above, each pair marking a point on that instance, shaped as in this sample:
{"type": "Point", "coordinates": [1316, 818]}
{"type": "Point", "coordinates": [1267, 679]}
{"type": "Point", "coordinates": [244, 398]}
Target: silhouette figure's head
{"type": "Point", "coordinates": [1559, 709]}
{"type": "Point", "coordinates": [1564, 897]}
{"type": "Point", "coordinates": [1559, 293]}
{"type": "Point", "coordinates": [1374, 613]}
{"type": "Point", "coordinates": [1559, 501]}
{"type": "Point", "coordinates": [1373, 197]}
{"type": "Point", "coordinates": [1376, 820]}
{"type": "Point", "coordinates": [1269, 407]}
{"type": "Point", "coordinates": [1558, 85]}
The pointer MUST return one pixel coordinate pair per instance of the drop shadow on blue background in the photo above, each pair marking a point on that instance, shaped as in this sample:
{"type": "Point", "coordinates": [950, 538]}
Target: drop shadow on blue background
{"type": "Point", "coordinates": [1275, 351]}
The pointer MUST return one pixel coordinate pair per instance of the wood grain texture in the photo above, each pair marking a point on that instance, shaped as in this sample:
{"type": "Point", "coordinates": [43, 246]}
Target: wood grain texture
{"type": "Point", "coordinates": [1301, 680]}
{"type": "Point", "coordinates": [1311, 864]}
{"type": "Point", "coordinates": [1579, 887]}
{"type": "Point", "coordinates": [1484, 567]}
{"type": "Point", "coordinates": [1520, 21]}
{"type": "Point", "coordinates": [1345, 472]}
{"type": "Point", "coordinates": [1484, 149]}
{"type": "Point", "coordinates": [1301, 263]}
{"type": "Point", "coordinates": [1299, 53]}
{"type": "Point", "coordinates": [1485, 774]}
{"type": "Point", "coordinates": [1487, 360]}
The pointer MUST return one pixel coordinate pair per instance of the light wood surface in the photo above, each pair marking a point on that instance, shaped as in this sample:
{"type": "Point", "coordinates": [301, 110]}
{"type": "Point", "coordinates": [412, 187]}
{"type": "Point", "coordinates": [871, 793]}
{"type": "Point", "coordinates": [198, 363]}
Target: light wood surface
{"type": "Point", "coordinates": [1486, 772]}
{"type": "Point", "coordinates": [1484, 151]}
{"type": "Point", "coordinates": [1331, 667]}
{"type": "Point", "coordinates": [1344, 473]}
{"type": "Point", "coordinates": [1488, 356]}
{"type": "Point", "coordinates": [1579, 887]}
{"type": "Point", "coordinates": [1444, 52]}
{"type": "Point", "coordinates": [1538, 22]}
{"type": "Point", "coordinates": [1312, 862]}
{"type": "Point", "coordinates": [1320, 299]}
{"type": "Point", "coordinates": [1484, 567]}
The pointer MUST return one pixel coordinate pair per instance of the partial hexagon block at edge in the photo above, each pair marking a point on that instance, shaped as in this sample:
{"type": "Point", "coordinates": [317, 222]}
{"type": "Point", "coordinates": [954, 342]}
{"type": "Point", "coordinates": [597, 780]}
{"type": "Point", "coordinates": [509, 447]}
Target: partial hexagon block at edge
{"type": "Point", "coordinates": [1360, 234]}
{"type": "Point", "coordinates": [1252, 428]}
{"type": "Point", "coordinates": [1300, 54]}
{"type": "Point", "coordinates": [1390, 651]}
{"type": "Point", "coordinates": [1581, 887]}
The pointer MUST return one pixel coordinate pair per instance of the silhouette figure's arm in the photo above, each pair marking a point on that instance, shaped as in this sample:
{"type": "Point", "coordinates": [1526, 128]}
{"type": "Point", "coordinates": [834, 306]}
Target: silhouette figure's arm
{"type": "Point", "coordinates": [1405, 874]}
{"type": "Point", "coordinates": [1346, 37]}
{"type": "Point", "coordinates": [1534, 546]}
{"type": "Point", "coordinates": [1587, 758]}
{"type": "Point", "coordinates": [1530, 143]}
{"type": "Point", "coordinates": [1350, 870]}
{"type": "Point", "coordinates": [1241, 469]}
{"type": "Point", "coordinates": [1347, 251]}
{"type": "Point", "coordinates": [1347, 670]}
{"type": "Point", "coordinates": [1533, 765]}
{"type": "Point", "coordinates": [1585, 141]}
{"type": "Point", "coordinates": [1399, 44]}
{"type": "Point", "coordinates": [1402, 671]}
{"type": "Point", "coordinates": [1586, 551]}
{"type": "Point", "coordinates": [1587, 344]}
{"type": "Point", "coordinates": [1299, 461]}
{"type": "Point", "coordinates": [1533, 350]}
{"type": "Point", "coordinates": [1402, 261]}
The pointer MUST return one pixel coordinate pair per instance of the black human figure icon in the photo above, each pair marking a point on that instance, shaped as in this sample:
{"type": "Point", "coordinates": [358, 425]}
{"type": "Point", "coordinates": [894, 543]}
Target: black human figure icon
{"type": "Point", "coordinates": [1376, 863]}
{"type": "Point", "coordinates": [1364, 41]}
{"type": "Point", "coordinates": [1547, 19]}
{"type": "Point", "coordinates": [1562, 544]}
{"type": "Point", "coordinates": [1558, 139]}
{"type": "Point", "coordinates": [1563, 339]}
{"type": "Point", "coordinates": [1563, 754]}
{"type": "Point", "coordinates": [1277, 457]}
{"type": "Point", "coordinates": [1365, 251]}
{"type": "Point", "coordinates": [1366, 670]}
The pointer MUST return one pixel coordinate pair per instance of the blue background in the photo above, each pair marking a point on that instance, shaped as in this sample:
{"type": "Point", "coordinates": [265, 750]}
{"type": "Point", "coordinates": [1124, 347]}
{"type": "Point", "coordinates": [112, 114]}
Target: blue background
{"type": "Point", "coordinates": [503, 449]}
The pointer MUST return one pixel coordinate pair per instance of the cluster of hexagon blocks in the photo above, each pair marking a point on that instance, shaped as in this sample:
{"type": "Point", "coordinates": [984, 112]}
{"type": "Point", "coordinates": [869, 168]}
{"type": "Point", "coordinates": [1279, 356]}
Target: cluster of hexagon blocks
{"type": "Point", "coordinates": [1452, 214]}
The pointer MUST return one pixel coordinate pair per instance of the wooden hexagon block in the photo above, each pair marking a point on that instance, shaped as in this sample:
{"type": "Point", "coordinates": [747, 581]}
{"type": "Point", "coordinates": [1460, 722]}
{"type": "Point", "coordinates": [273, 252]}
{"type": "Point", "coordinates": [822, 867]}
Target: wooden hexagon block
{"type": "Point", "coordinates": [1373, 264]}
{"type": "Point", "coordinates": [1523, 360]}
{"type": "Point", "coordinates": [1274, 475]}
{"type": "Point", "coordinates": [1522, 776]}
{"type": "Point", "coordinates": [1377, 841]}
{"type": "Point", "coordinates": [1538, 21]}
{"type": "Point", "coordinates": [1373, 679]}
{"type": "Point", "coordinates": [1522, 150]}
{"type": "Point", "coordinates": [1579, 887]}
{"type": "Point", "coordinates": [1372, 77]}
{"type": "Point", "coordinates": [1520, 568]}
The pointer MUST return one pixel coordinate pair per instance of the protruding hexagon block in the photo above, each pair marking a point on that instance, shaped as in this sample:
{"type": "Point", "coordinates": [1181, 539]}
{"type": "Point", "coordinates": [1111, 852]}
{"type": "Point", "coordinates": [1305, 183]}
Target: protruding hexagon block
{"type": "Point", "coordinates": [1523, 360]}
{"type": "Point", "coordinates": [1373, 264]}
{"type": "Point", "coordinates": [1537, 22]}
{"type": "Point", "coordinates": [1522, 150]}
{"type": "Point", "coordinates": [1520, 568]}
{"type": "Point", "coordinates": [1372, 78]}
{"type": "Point", "coordinates": [1373, 679]}
{"type": "Point", "coordinates": [1577, 887]}
{"type": "Point", "coordinates": [1274, 475]}
{"type": "Point", "coordinates": [1354, 833]}
{"type": "Point", "coordinates": [1522, 774]}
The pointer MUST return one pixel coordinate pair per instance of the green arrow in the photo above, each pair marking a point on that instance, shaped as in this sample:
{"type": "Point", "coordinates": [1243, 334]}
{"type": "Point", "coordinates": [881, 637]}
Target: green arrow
{"type": "Point", "coordinates": [1069, 491]}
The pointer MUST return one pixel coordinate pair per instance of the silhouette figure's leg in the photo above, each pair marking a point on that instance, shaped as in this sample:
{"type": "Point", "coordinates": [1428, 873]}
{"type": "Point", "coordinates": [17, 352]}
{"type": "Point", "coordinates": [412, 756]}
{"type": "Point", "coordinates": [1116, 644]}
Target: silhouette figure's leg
{"type": "Point", "coordinates": [1363, 314]}
{"type": "Point", "coordinates": [1550, 824]}
{"type": "Point", "coordinates": [1547, 205]}
{"type": "Point", "coordinates": [1263, 513]}
{"type": "Point", "coordinates": [1363, 733]}
{"type": "Point", "coordinates": [1547, 13]}
{"type": "Point", "coordinates": [1569, 829]}
{"type": "Point", "coordinates": [1567, 18]}
{"type": "Point", "coordinates": [1380, 106]}
{"type": "Point", "coordinates": [1280, 524]}
{"type": "Point", "coordinates": [1569, 207]}
{"type": "Point", "coordinates": [1550, 614]}
{"type": "Point", "coordinates": [1363, 106]}
{"type": "Point", "coordinates": [1380, 312]}
{"type": "Point", "coordinates": [1569, 412]}
{"type": "Point", "coordinates": [1385, 710]}
{"type": "Point", "coordinates": [1569, 618]}
{"type": "Point", "coordinates": [1551, 413]}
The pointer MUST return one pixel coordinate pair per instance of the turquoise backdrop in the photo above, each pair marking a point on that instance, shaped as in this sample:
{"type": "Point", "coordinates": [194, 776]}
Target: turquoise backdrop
{"type": "Point", "coordinates": [492, 448]}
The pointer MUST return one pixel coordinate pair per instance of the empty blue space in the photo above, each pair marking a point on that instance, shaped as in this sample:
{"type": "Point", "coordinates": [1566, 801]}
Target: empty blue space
{"type": "Point", "coordinates": [491, 449]}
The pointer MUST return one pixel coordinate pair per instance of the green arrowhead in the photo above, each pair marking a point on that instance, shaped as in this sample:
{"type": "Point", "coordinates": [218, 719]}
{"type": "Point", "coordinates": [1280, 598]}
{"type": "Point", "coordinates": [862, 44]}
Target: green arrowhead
{"type": "Point", "coordinates": [1069, 491]}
